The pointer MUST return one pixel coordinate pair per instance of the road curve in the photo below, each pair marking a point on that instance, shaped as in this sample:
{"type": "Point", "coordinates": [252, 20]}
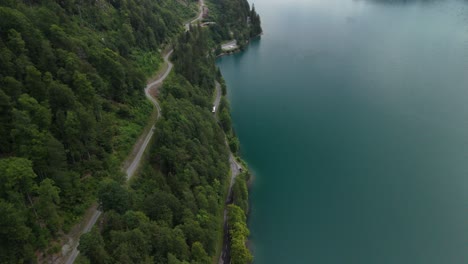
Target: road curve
{"type": "Point", "coordinates": [136, 161]}
{"type": "Point", "coordinates": [130, 171]}
{"type": "Point", "coordinates": [201, 5]}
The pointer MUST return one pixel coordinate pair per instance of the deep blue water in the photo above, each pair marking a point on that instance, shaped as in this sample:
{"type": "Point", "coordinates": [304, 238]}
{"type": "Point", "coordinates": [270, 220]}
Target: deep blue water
{"type": "Point", "coordinates": [353, 115]}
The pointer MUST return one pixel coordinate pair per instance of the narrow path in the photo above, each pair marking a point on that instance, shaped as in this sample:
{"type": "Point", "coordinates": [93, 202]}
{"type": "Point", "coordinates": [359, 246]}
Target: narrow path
{"type": "Point", "coordinates": [225, 256]}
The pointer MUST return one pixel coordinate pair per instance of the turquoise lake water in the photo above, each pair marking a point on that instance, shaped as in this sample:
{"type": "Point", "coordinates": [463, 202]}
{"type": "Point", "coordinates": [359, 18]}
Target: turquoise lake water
{"type": "Point", "coordinates": [353, 115]}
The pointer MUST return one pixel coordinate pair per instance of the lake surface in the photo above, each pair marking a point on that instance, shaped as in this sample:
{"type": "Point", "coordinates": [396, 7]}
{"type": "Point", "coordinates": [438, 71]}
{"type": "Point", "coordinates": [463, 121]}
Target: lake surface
{"type": "Point", "coordinates": [353, 116]}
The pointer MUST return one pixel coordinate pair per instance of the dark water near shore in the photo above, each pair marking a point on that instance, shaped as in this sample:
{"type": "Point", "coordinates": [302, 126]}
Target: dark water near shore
{"type": "Point", "coordinates": [354, 117]}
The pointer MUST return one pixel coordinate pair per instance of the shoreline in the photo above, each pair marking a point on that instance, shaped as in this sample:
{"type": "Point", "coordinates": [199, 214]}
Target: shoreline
{"type": "Point", "coordinates": [225, 254]}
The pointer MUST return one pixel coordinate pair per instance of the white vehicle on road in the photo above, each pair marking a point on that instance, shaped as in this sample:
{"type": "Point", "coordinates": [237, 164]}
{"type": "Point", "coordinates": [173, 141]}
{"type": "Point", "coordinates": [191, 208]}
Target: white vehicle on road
{"type": "Point", "coordinates": [214, 109]}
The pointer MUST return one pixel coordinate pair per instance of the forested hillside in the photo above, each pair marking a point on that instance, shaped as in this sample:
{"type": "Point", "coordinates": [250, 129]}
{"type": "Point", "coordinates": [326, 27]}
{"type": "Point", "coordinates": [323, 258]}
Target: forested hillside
{"type": "Point", "coordinates": [72, 75]}
{"type": "Point", "coordinates": [172, 213]}
{"type": "Point", "coordinates": [234, 19]}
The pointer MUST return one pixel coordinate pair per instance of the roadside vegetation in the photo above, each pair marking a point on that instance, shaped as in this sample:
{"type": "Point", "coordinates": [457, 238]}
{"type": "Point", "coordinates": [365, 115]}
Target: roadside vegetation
{"type": "Point", "coordinates": [176, 203]}
{"type": "Point", "coordinates": [237, 221]}
{"type": "Point", "coordinates": [234, 19]}
{"type": "Point", "coordinates": [71, 107]}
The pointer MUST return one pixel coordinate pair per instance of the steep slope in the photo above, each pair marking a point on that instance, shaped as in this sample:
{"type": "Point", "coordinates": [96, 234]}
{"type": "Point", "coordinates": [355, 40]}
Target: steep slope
{"type": "Point", "coordinates": [72, 104]}
{"type": "Point", "coordinates": [72, 75]}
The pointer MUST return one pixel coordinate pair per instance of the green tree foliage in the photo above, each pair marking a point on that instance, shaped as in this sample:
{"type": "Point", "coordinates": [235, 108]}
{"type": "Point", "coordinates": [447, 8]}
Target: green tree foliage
{"type": "Point", "coordinates": [238, 232]}
{"type": "Point", "coordinates": [255, 23]}
{"type": "Point", "coordinates": [17, 180]}
{"type": "Point", "coordinates": [17, 193]}
{"type": "Point", "coordinates": [240, 191]}
{"type": "Point", "coordinates": [193, 60]}
{"type": "Point", "coordinates": [14, 234]}
{"type": "Point", "coordinates": [47, 205]}
{"type": "Point", "coordinates": [113, 196]}
{"type": "Point", "coordinates": [237, 222]}
{"type": "Point", "coordinates": [92, 246]}
{"type": "Point", "coordinates": [225, 119]}
{"type": "Point", "coordinates": [234, 20]}
{"type": "Point", "coordinates": [71, 105]}
{"type": "Point", "coordinates": [198, 254]}
{"type": "Point", "coordinates": [176, 205]}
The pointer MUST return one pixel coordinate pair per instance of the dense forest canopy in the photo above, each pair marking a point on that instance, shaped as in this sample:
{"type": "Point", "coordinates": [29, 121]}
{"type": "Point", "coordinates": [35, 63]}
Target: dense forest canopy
{"type": "Point", "coordinates": [71, 80]}
{"type": "Point", "coordinates": [181, 190]}
{"type": "Point", "coordinates": [234, 20]}
{"type": "Point", "coordinates": [72, 75]}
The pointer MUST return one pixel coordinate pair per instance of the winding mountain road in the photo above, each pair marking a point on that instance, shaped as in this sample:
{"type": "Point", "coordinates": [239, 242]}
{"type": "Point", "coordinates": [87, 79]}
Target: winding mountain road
{"type": "Point", "coordinates": [136, 161]}
{"type": "Point", "coordinates": [131, 169]}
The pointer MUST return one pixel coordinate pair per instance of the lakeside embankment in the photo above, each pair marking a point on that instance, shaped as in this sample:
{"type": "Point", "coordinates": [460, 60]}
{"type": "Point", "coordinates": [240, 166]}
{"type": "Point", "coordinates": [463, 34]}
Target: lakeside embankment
{"type": "Point", "coordinates": [237, 210]}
